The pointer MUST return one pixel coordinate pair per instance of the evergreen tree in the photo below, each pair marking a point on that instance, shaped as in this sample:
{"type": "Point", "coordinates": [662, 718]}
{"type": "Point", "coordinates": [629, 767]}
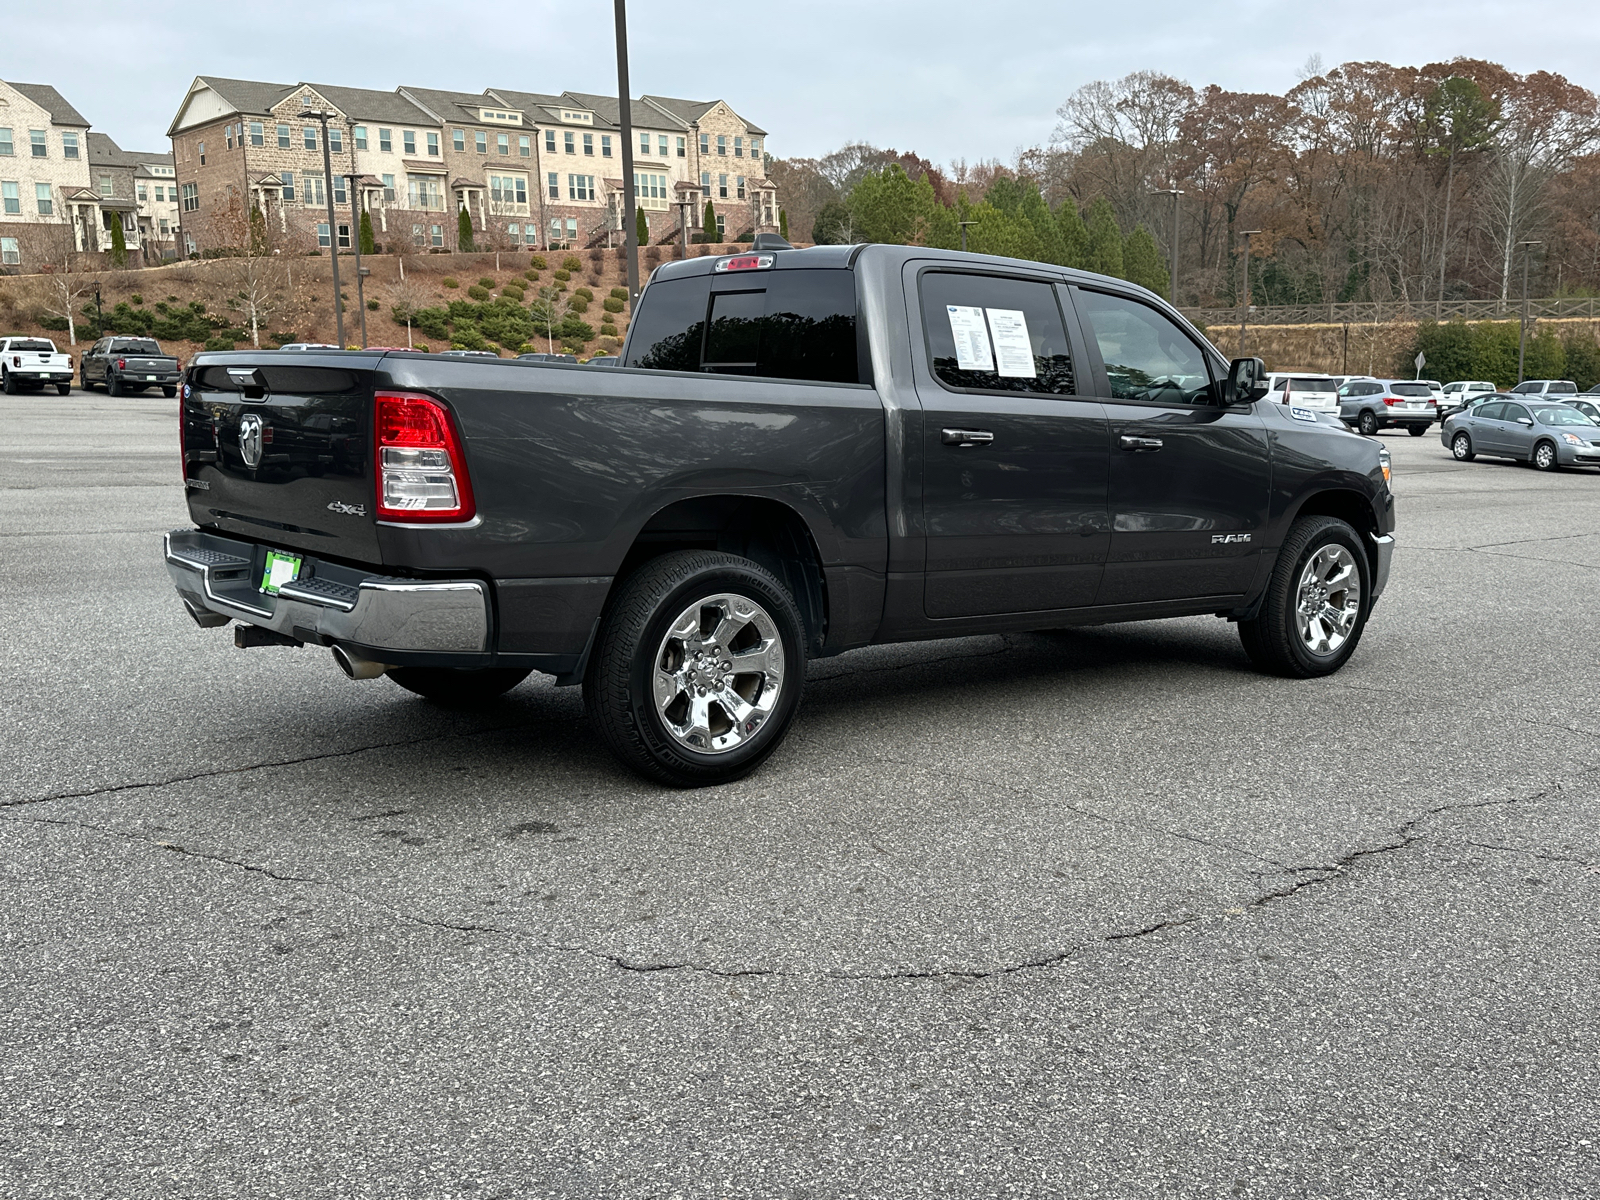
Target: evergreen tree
{"type": "Point", "coordinates": [885, 208]}
{"type": "Point", "coordinates": [832, 221]}
{"type": "Point", "coordinates": [783, 224]}
{"type": "Point", "coordinates": [368, 244]}
{"type": "Point", "coordinates": [464, 231]}
{"type": "Point", "coordinates": [708, 223]}
{"type": "Point", "coordinates": [1105, 240]}
{"type": "Point", "coordinates": [1005, 194]}
{"type": "Point", "coordinates": [997, 232]}
{"type": "Point", "coordinates": [641, 227]}
{"type": "Point", "coordinates": [258, 231]}
{"type": "Point", "coordinates": [119, 244]}
{"type": "Point", "coordinates": [1074, 235]}
{"type": "Point", "coordinates": [1143, 264]}
{"type": "Point", "coordinates": [1033, 210]}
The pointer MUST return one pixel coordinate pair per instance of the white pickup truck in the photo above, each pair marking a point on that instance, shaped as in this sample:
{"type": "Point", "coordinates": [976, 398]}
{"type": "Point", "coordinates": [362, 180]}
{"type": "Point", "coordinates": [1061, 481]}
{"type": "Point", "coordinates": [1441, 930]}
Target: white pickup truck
{"type": "Point", "coordinates": [26, 363]}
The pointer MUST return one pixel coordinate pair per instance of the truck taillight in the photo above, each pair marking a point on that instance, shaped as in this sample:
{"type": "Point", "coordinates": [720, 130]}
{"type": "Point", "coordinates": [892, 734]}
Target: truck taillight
{"type": "Point", "coordinates": [122, 364]}
{"type": "Point", "coordinates": [422, 472]}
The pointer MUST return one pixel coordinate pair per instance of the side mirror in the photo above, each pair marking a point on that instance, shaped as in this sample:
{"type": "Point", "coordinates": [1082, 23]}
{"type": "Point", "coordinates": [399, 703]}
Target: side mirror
{"type": "Point", "coordinates": [1525, 421]}
{"type": "Point", "coordinates": [1246, 382]}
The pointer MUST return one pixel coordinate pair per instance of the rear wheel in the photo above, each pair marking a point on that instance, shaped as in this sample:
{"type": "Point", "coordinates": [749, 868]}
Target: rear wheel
{"type": "Point", "coordinates": [63, 389]}
{"type": "Point", "coordinates": [113, 385]}
{"type": "Point", "coordinates": [1316, 605]}
{"type": "Point", "coordinates": [1544, 457]}
{"type": "Point", "coordinates": [698, 669]}
{"type": "Point", "coordinates": [1461, 447]}
{"type": "Point", "coordinates": [1417, 430]}
{"type": "Point", "coordinates": [458, 685]}
{"type": "Point", "coordinates": [7, 383]}
{"type": "Point", "coordinates": [1367, 423]}
{"type": "Point", "coordinates": [169, 392]}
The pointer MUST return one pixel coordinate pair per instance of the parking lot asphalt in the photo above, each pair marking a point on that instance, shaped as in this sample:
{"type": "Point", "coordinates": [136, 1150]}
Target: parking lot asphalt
{"type": "Point", "coordinates": [1087, 913]}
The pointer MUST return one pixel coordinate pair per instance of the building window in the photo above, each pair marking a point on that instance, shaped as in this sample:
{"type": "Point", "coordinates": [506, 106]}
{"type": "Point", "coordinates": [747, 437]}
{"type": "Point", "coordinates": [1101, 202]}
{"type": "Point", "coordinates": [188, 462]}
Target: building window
{"type": "Point", "coordinates": [258, 134]}
{"type": "Point", "coordinates": [458, 140]}
{"type": "Point", "coordinates": [755, 147]}
{"type": "Point", "coordinates": [502, 143]}
{"type": "Point", "coordinates": [650, 190]}
{"type": "Point", "coordinates": [69, 145]}
{"type": "Point", "coordinates": [705, 143]}
{"type": "Point", "coordinates": [227, 134]}
{"type": "Point", "coordinates": [525, 146]}
{"type": "Point", "coordinates": [308, 135]}
{"type": "Point", "coordinates": [555, 230]}
{"type": "Point", "coordinates": [530, 235]}
{"type": "Point", "coordinates": [336, 141]}
{"type": "Point", "coordinates": [436, 234]}
{"type": "Point", "coordinates": [359, 133]}
{"type": "Point", "coordinates": [201, 146]}
{"type": "Point", "coordinates": [283, 137]}
{"type": "Point", "coordinates": [41, 196]}
{"type": "Point", "coordinates": [508, 189]}
{"type": "Point", "coordinates": [386, 140]}
{"type": "Point", "coordinates": [344, 237]}
{"type": "Point", "coordinates": [722, 145]}
{"type": "Point", "coordinates": [408, 141]}
{"type": "Point", "coordinates": [388, 188]}
{"type": "Point", "coordinates": [106, 188]}
{"type": "Point", "coordinates": [605, 145]}
{"type": "Point", "coordinates": [191, 197]}
{"type": "Point", "coordinates": [738, 147]}
{"type": "Point", "coordinates": [569, 141]}
{"type": "Point", "coordinates": [7, 147]}
{"type": "Point", "coordinates": [322, 234]}
{"type": "Point", "coordinates": [572, 229]}
{"type": "Point", "coordinates": [13, 201]}
{"type": "Point", "coordinates": [160, 193]}
{"type": "Point", "coordinates": [580, 187]}
{"type": "Point", "coordinates": [722, 187]}
{"type": "Point", "coordinates": [433, 144]}
{"type": "Point", "coordinates": [339, 195]}
{"type": "Point", "coordinates": [305, 101]}
{"type": "Point", "coordinates": [683, 148]}
{"type": "Point", "coordinates": [424, 192]}
{"type": "Point", "coordinates": [588, 144]}
{"type": "Point", "coordinates": [554, 182]}
{"type": "Point", "coordinates": [549, 141]}
{"type": "Point", "coordinates": [139, 192]}
{"type": "Point", "coordinates": [313, 192]}
{"type": "Point", "coordinates": [705, 182]}
{"type": "Point", "coordinates": [164, 227]}
{"type": "Point", "coordinates": [288, 185]}
{"type": "Point", "coordinates": [738, 183]}
{"type": "Point", "coordinates": [644, 143]}
{"type": "Point", "coordinates": [9, 254]}
{"type": "Point", "coordinates": [722, 228]}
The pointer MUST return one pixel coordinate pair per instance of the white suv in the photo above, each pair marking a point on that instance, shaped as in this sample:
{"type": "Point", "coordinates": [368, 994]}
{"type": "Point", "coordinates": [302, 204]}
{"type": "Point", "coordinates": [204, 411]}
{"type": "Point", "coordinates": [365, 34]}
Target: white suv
{"type": "Point", "coordinates": [1304, 389]}
{"type": "Point", "coordinates": [1546, 387]}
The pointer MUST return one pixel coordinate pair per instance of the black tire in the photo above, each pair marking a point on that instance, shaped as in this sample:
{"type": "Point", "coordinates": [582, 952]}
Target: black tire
{"type": "Point", "coordinates": [1545, 457]}
{"type": "Point", "coordinates": [8, 384]}
{"type": "Point", "coordinates": [169, 392]}
{"type": "Point", "coordinates": [459, 686]}
{"type": "Point", "coordinates": [83, 379]}
{"type": "Point", "coordinates": [1271, 638]}
{"type": "Point", "coordinates": [1416, 430]}
{"type": "Point", "coordinates": [617, 690]}
{"type": "Point", "coordinates": [63, 389]}
{"type": "Point", "coordinates": [1367, 423]}
{"type": "Point", "coordinates": [1461, 447]}
{"type": "Point", "coordinates": [113, 385]}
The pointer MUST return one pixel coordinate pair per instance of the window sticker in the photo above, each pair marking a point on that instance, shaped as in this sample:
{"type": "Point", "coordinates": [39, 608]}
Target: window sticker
{"type": "Point", "coordinates": [971, 335]}
{"type": "Point", "coordinates": [1012, 347]}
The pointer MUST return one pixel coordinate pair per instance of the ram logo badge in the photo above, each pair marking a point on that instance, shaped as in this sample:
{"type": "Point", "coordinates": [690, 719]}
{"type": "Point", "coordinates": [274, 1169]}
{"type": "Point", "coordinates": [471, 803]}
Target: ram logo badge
{"type": "Point", "coordinates": [347, 510]}
{"type": "Point", "coordinates": [1223, 539]}
{"type": "Point", "coordinates": [250, 439]}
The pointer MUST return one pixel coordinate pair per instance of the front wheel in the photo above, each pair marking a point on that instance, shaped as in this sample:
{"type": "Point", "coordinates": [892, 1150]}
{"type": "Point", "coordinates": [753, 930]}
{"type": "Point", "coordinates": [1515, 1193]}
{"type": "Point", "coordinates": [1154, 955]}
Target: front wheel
{"type": "Point", "coordinates": [1461, 447]}
{"type": "Point", "coordinates": [698, 669]}
{"type": "Point", "coordinates": [1544, 457]}
{"type": "Point", "coordinates": [458, 685]}
{"type": "Point", "coordinates": [1367, 423]}
{"type": "Point", "coordinates": [1316, 605]}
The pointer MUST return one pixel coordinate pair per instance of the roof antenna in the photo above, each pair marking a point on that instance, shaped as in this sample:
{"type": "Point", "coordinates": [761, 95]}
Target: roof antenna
{"type": "Point", "coordinates": [770, 241]}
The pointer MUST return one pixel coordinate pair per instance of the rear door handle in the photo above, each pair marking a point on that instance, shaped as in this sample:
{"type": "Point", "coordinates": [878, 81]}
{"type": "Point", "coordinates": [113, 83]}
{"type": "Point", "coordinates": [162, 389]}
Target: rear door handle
{"type": "Point", "coordinates": [966, 437]}
{"type": "Point", "coordinates": [1148, 444]}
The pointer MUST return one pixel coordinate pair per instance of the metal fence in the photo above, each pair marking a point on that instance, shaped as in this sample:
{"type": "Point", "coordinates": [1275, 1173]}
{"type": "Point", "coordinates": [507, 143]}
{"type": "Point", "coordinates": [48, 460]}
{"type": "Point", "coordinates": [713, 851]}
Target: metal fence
{"type": "Point", "coordinates": [1376, 312]}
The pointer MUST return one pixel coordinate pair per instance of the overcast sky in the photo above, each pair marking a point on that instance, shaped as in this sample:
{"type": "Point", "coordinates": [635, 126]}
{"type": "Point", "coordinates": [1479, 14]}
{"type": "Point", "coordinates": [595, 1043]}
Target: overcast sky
{"type": "Point", "coordinates": [945, 79]}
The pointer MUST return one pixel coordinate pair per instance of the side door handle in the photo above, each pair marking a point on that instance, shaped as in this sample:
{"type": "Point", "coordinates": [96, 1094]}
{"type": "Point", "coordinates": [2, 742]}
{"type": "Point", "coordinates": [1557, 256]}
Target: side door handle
{"type": "Point", "coordinates": [1137, 444]}
{"type": "Point", "coordinates": [966, 437]}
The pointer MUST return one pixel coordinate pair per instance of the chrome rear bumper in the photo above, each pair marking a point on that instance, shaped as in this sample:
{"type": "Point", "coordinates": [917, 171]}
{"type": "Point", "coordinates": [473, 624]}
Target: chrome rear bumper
{"type": "Point", "coordinates": [329, 604]}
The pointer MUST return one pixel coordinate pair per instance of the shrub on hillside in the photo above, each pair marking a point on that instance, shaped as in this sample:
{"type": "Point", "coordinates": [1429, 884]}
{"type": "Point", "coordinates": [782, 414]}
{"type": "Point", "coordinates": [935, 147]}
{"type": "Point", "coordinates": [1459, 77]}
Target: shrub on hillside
{"type": "Point", "coordinates": [572, 263]}
{"type": "Point", "coordinates": [578, 305]}
{"type": "Point", "coordinates": [218, 343]}
{"type": "Point", "coordinates": [372, 305]}
{"type": "Point", "coordinates": [563, 274]}
{"type": "Point", "coordinates": [478, 293]}
{"type": "Point", "coordinates": [137, 298]}
{"type": "Point", "coordinates": [612, 304]}
{"type": "Point", "coordinates": [531, 276]}
{"type": "Point", "coordinates": [608, 330]}
{"type": "Point", "coordinates": [485, 282]}
{"type": "Point", "coordinates": [584, 292]}
{"type": "Point", "coordinates": [618, 293]}
{"type": "Point", "coordinates": [449, 283]}
{"type": "Point", "coordinates": [538, 263]}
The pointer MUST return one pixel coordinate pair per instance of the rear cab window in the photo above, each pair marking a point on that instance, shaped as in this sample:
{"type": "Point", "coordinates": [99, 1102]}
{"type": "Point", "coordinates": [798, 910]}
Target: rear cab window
{"type": "Point", "coordinates": [991, 333]}
{"type": "Point", "coordinates": [776, 324]}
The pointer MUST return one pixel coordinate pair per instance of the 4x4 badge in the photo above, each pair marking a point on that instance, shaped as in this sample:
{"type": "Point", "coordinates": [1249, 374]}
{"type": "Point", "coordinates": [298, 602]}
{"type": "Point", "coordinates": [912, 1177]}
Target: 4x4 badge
{"type": "Point", "coordinates": [348, 510]}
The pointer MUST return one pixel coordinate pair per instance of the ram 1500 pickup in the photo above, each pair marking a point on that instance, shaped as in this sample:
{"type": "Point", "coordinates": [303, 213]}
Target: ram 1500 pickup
{"type": "Point", "coordinates": [803, 451]}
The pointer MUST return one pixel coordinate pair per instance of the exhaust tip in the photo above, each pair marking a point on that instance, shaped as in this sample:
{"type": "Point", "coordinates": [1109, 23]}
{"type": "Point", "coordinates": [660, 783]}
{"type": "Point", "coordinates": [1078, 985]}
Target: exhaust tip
{"type": "Point", "coordinates": [356, 667]}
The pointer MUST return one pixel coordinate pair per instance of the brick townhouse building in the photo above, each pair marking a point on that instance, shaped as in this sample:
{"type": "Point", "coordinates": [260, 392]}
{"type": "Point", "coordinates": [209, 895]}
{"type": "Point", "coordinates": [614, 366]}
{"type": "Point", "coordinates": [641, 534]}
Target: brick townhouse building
{"type": "Point", "coordinates": [142, 190]}
{"type": "Point", "coordinates": [48, 207]}
{"type": "Point", "coordinates": [532, 169]}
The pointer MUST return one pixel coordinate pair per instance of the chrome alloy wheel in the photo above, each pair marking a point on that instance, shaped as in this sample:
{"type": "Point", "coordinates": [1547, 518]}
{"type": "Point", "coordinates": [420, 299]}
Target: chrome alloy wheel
{"type": "Point", "coordinates": [718, 673]}
{"type": "Point", "coordinates": [1328, 600]}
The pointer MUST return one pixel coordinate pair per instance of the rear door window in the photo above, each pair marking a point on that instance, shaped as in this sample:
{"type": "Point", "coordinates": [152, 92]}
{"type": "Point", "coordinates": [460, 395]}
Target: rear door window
{"type": "Point", "coordinates": [991, 333]}
{"type": "Point", "coordinates": [776, 324]}
{"type": "Point", "coordinates": [1147, 357]}
{"type": "Point", "coordinates": [1492, 411]}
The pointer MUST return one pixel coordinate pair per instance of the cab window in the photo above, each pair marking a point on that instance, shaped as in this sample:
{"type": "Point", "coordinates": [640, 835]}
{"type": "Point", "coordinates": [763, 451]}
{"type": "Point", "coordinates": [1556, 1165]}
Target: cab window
{"type": "Point", "coordinates": [992, 333]}
{"type": "Point", "coordinates": [1147, 357]}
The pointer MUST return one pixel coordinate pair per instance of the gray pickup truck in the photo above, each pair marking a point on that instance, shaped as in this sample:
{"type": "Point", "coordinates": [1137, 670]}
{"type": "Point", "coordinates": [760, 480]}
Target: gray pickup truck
{"type": "Point", "coordinates": [802, 452]}
{"type": "Point", "coordinates": [129, 364]}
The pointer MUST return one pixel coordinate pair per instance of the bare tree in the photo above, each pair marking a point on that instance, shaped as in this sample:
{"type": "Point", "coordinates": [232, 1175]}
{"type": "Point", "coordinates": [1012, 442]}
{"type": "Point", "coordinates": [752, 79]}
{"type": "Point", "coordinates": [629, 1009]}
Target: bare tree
{"type": "Point", "coordinates": [70, 274]}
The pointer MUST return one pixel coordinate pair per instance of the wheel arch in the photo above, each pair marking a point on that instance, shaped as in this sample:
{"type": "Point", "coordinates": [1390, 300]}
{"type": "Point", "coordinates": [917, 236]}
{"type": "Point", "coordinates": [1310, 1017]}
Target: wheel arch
{"type": "Point", "coordinates": [1349, 506]}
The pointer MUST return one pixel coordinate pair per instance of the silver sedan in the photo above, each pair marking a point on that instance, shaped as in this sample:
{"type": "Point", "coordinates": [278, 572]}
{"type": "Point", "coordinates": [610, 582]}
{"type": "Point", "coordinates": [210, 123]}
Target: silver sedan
{"type": "Point", "coordinates": [1547, 434]}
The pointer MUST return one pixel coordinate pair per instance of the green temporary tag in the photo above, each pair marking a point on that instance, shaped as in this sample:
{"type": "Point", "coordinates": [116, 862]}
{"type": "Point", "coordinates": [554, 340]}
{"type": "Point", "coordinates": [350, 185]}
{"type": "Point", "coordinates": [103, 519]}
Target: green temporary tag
{"type": "Point", "coordinates": [280, 569]}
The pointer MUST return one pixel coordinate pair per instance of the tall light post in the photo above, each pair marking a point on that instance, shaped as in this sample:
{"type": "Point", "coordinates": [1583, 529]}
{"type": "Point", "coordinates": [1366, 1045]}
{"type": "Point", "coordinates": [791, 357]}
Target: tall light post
{"type": "Point", "coordinates": [361, 274]}
{"type": "Point", "coordinates": [1522, 341]}
{"type": "Point", "coordinates": [683, 227]}
{"type": "Point", "coordinates": [1174, 193]}
{"type": "Point", "coordinates": [630, 222]}
{"type": "Point", "coordinates": [963, 225]}
{"type": "Point", "coordinates": [322, 115]}
{"type": "Point", "coordinates": [1244, 306]}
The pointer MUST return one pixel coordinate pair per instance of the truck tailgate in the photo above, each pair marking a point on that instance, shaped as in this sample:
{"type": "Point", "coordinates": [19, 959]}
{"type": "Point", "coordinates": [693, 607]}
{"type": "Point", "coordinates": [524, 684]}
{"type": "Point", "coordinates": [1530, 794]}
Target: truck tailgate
{"type": "Point", "coordinates": [282, 454]}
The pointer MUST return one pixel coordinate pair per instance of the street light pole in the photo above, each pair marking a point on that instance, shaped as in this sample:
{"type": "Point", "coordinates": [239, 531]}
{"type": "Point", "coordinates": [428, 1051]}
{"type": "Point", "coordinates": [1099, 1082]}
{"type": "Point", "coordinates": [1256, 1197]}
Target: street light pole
{"type": "Point", "coordinates": [322, 115]}
{"type": "Point", "coordinates": [1244, 307]}
{"type": "Point", "coordinates": [630, 232]}
{"type": "Point", "coordinates": [963, 225]}
{"type": "Point", "coordinates": [683, 227]}
{"type": "Point", "coordinates": [1174, 193]}
{"type": "Point", "coordinates": [361, 275]}
{"type": "Point", "coordinates": [1522, 340]}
